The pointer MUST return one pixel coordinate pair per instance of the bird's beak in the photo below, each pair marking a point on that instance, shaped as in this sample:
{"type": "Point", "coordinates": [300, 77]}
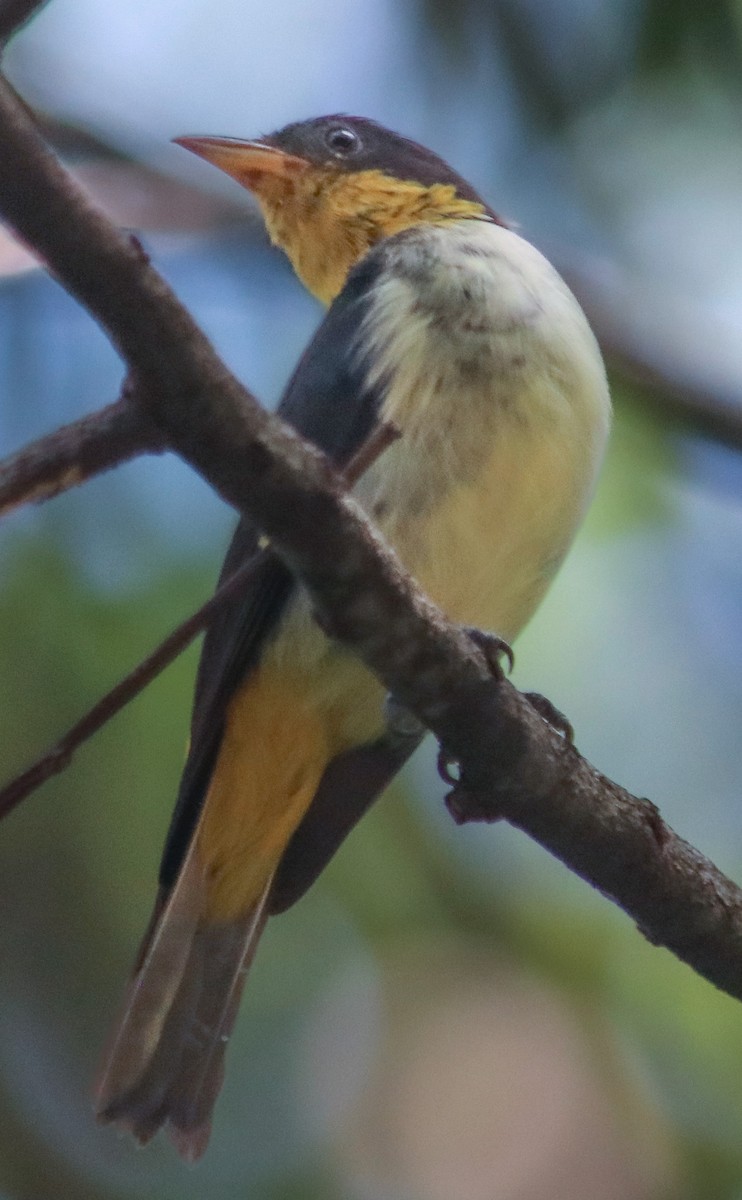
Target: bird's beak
{"type": "Point", "coordinates": [253, 164]}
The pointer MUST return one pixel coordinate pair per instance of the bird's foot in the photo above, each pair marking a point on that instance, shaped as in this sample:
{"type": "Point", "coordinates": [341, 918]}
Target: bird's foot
{"type": "Point", "coordinates": [461, 801]}
{"type": "Point", "coordinates": [551, 714]}
{"type": "Point", "coordinates": [493, 648]}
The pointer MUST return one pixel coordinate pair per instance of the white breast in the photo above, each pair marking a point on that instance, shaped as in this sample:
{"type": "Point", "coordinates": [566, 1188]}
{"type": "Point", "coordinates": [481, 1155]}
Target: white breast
{"type": "Point", "coordinates": [494, 379]}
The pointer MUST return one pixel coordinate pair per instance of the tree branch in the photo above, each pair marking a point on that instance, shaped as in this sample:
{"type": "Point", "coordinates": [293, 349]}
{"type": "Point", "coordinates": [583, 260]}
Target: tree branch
{"type": "Point", "coordinates": [14, 14]}
{"type": "Point", "coordinates": [513, 763]}
{"type": "Point", "coordinates": [516, 768]}
{"type": "Point", "coordinates": [76, 452]}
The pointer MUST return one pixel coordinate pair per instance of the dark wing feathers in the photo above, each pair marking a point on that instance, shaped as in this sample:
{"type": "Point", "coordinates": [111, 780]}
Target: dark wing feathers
{"type": "Point", "coordinates": [348, 787]}
{"type": "Point", "coordinates": [327, 402]}
{"type": "Point", "coordinates": [231, 647]}
{"type": "Point", "coordinates": [327, 399]}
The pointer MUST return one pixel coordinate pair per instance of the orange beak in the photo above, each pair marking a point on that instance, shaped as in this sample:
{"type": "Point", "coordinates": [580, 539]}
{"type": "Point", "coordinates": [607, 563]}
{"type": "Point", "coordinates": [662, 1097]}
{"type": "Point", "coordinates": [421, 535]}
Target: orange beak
{"type": "Point", "coordinates": [253, 164]}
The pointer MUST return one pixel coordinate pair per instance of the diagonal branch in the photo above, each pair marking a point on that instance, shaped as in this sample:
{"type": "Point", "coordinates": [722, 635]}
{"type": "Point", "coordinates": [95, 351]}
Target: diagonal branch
{"type": "Point", "coordinates": [513, 763]}
{"type": "Point", "coordinates": [14, 14]}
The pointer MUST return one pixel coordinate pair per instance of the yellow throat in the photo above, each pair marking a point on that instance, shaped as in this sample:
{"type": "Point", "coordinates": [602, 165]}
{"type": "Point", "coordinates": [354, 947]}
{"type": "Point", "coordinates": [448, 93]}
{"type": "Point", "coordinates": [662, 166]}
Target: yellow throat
{"type": "Point", "coordinates": [327, 221]}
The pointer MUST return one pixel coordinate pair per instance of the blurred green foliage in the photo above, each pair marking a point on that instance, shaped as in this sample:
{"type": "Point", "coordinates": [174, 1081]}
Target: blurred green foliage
{"type": "Point", "coordinates": [677, 32]}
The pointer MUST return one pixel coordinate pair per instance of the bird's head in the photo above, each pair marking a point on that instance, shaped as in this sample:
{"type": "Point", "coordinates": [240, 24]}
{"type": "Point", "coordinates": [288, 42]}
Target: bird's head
{"type": "Point", "coordinates": [331, 187]}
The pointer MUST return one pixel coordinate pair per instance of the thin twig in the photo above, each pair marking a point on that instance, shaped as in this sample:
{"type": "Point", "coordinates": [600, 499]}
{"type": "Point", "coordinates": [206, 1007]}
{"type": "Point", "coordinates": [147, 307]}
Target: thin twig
{"type": "Point", "coordinates": [381, 437]}
{"type": "Point", "coordinates": [60, 756]}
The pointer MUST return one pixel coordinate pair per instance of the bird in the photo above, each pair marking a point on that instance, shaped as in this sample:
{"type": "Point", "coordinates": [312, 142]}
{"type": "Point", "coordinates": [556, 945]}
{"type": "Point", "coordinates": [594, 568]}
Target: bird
{"type": "Point", "coordinates": [446, 326]}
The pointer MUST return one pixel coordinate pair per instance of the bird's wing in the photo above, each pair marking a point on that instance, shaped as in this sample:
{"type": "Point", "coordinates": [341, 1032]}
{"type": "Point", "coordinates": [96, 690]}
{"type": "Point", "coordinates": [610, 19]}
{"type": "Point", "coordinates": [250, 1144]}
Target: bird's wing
{"type": "Point", "coordinates": [328, 402]}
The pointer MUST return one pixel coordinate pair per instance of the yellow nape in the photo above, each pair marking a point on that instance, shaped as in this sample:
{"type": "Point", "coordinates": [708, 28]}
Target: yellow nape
{"type": "Point", "coordinates": [327, 220]}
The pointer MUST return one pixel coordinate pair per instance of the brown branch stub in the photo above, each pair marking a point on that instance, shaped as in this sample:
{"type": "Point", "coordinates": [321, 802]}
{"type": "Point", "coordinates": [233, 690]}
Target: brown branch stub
{"type": "Point", "coordinates": [75, 453]}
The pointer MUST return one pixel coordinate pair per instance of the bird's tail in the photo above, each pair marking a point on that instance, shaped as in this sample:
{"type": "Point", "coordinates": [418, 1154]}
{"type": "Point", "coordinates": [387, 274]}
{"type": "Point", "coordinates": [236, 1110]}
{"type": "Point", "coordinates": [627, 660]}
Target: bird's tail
{"type": "Point", "coordinates": [165, 1063]}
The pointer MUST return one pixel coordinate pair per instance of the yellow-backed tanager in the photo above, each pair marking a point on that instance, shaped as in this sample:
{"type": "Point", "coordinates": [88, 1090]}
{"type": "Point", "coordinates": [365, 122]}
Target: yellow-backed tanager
{"type": "Point", "coordinates": [448, 326]}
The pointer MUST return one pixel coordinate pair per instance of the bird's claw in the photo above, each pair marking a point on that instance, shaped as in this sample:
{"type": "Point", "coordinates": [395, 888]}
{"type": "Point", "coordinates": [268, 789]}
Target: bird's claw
{"type": "Point", "coordinates": [448, 768]}
{"type": "Point", "coordinates": [462, 802]}
{"type": "Point", "coordinates": [493, 648]}
{"type": "Point", "coordinates": [552, 715]}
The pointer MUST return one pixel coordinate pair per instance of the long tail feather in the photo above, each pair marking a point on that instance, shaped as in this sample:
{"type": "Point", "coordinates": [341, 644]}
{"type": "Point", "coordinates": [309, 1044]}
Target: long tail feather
{"type": "Point", "coordinates": [165, 1064]}
{"type": "Point", "coordinates": [227, 952]}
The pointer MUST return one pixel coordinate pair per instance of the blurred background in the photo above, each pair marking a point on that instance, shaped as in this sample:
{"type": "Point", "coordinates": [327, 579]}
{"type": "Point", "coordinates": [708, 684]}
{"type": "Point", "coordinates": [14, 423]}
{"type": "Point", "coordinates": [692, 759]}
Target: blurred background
{"type": "Point", "coordinates": [449, 1014]}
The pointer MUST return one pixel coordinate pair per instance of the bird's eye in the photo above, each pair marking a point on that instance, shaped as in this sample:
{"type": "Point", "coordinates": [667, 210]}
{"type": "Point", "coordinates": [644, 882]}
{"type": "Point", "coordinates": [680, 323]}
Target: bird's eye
{"type": "Point", "coordinates": [342, 141]}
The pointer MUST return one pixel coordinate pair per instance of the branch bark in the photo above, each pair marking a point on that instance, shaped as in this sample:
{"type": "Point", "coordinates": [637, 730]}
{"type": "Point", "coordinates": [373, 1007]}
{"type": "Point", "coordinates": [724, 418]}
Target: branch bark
{"type": "Point", "coordinates": [77, 452]}
{"type": "Point", "coordinates": [514, 765]}
{"type": "Point", "coordinates": [14, 14]}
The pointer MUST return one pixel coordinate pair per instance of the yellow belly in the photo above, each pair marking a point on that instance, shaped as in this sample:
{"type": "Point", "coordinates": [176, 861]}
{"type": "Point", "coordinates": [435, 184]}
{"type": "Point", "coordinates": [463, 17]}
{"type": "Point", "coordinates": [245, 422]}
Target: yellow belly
{"type": "Point", "coordinates": [489, 550]}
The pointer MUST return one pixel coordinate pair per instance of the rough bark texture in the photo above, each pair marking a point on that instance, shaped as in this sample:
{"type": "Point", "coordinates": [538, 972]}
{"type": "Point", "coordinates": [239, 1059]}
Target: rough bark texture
{"type": "Point", "coordinates": [75, 453]}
